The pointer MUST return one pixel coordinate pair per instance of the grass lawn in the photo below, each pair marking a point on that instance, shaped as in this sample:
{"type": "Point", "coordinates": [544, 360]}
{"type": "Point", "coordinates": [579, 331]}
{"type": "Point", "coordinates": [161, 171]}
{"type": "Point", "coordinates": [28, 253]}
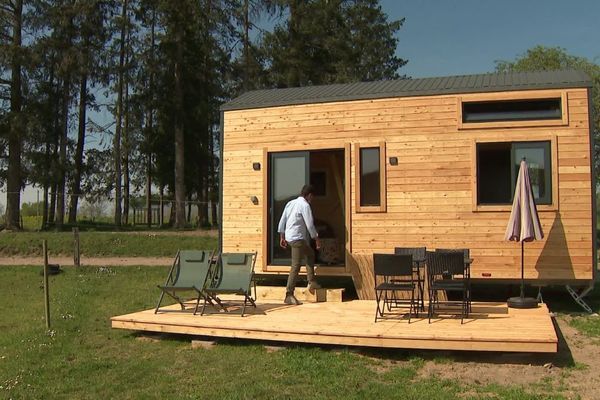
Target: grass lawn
{"type": "Point", "coordinates": [103, 244]}
{"type": "Point", "coordinates": [83, 358]}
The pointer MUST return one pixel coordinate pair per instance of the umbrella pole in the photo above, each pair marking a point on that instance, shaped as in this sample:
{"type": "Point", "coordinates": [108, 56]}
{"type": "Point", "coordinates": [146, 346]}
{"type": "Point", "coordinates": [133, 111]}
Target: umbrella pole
{"type": "Point", "coordinates": [522, 301]}
{"type": "Point", "coordinates": [522, 269]}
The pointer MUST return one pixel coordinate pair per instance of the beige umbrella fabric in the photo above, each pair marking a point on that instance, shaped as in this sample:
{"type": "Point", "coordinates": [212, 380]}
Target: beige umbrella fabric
{"type": "Point", "coordinates": [523, 226]}
{"type": "Point", "coordinates": [524, 223]}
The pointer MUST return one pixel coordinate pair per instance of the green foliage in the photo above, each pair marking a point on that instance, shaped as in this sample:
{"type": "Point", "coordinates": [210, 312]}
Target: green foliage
{"type": "Point", "coordinates": [81, 357]}
{"type": "Point", "coordinates": [326, 41]}
{"type": "Point", "coordinates": [588, 325]}
{"type": "Point", "coordinates": [31, 209]}
{"type": "Point", "coordinates": [541, 58]}
{"type": "Point", "coordinates": [102, 244]}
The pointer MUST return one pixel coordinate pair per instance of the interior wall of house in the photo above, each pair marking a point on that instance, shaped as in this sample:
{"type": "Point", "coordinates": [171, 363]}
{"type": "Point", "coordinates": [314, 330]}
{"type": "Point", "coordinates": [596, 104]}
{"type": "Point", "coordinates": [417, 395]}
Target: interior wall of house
{"type": "Point", "coordinates": [327, 172]}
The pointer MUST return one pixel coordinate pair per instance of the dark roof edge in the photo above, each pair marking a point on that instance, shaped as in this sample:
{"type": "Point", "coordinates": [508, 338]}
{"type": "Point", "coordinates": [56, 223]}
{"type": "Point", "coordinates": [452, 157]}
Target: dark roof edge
{"type": "Point", "coordinates": [233, 105]}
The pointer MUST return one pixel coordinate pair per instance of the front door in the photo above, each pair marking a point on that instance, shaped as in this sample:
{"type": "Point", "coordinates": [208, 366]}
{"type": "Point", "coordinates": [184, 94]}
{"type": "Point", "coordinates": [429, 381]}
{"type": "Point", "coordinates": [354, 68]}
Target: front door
{"type": "Point", "coordinates": [288, 172]}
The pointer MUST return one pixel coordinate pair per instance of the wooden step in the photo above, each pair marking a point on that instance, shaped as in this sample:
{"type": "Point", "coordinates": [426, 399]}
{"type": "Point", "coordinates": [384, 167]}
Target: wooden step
{"type": "Point", "coordinates": [301, 293]}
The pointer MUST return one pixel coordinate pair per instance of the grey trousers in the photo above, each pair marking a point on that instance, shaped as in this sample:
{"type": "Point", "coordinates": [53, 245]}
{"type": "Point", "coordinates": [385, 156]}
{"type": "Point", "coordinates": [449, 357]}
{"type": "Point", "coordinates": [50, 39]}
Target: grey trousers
{"type": "Point", "coordinates": [300, 250]}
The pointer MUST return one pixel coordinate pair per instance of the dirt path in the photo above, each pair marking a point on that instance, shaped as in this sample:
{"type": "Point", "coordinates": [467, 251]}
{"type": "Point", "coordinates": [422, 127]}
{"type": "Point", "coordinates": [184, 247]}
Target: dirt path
{"type": "Point", "coordinates": [95, 261]}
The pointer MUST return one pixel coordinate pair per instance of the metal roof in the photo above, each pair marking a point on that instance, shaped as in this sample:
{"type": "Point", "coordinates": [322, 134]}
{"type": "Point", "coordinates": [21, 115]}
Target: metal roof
{"type": "Point", "coordinates": [410, 87]}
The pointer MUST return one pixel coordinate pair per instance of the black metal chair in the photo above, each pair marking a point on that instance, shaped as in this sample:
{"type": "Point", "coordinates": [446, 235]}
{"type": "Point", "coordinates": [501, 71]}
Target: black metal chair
{"type": "Point", "coordinates": [447, 272]}
{"type": "Point", "coordinates": [418, 257]}
{"type": "Point", "coordinates": [467, 255]}
{"type": "Point", "coordinates": [388, 270]}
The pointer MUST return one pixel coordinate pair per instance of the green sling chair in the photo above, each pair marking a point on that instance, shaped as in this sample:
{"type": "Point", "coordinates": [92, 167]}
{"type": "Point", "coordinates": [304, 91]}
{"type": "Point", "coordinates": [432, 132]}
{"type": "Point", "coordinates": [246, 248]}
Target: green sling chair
{"type": "Point", "coordinates": [234, 275]}
{"type": "Point", "coordinates": [191, 271]}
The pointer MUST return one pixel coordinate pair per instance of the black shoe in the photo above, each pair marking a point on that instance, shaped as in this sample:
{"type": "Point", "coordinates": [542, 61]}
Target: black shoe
{"type": "Point", "coordinates": [292, 300]}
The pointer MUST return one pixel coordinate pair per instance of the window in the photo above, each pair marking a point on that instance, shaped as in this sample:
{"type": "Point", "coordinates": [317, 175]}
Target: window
{"type": "Point", "coordinates": [511, 110]}
{"type": "Point", "coordinates": [370, 178]}
{"type": "Point", "coordinates": [507, 110]}
{"type": "Point", "coordinates": [498, 167]}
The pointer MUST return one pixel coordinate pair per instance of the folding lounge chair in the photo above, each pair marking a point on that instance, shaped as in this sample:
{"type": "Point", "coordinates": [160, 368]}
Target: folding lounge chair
{"type": "Point", "coordinates": [191, 271]}
{"type": "Point", "coordinates": [234, 275]}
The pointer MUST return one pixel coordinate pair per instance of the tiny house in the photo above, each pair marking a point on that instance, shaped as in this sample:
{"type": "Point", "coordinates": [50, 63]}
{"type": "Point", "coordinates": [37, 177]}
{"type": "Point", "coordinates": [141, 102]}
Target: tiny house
{"type": "Point", "coordinates": [415, 162]}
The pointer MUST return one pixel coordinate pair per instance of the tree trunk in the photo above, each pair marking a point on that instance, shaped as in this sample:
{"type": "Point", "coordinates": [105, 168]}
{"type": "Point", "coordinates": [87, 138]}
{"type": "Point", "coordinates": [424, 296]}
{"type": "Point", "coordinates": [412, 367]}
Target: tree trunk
{"type": "Point", "coordinates": [52, 210]}
{"type": "Point", "coordinates": [45, 207]}
{"type": "Point", "coordinates": [204, 202]}
{"type": "Point", "coordinates": [126, 183]}
{"type": "Point", "coordinates": [149, 188]}
{"type": "Point", "coordinates": [117, 138]}
{"type": "Point", "coordinates": [62, 156]}
{"type": "Point", "coordinates": [149, 127]}
{"type": "Point", "coordinates": [246, 43]}
{"type": "Point", "coordinates": [15, 136]}
{"type": "Point", "coordinates": [189, 210]}
{"type": "Point", "coordinates": [173, 213]}
{"type": "Point", "coordinates": [213, 184]}
{"type": "Point", "coordinates": [161, 215]}
{"type": "Point", "coordinates": [76, 182]}
{"type": "Point", "coordinates": [179, 134]}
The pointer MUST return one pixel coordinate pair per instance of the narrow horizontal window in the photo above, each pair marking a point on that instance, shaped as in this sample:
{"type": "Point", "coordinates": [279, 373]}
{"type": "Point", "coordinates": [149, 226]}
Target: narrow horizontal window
{"type": "Point", "coordinates": [511, 110]}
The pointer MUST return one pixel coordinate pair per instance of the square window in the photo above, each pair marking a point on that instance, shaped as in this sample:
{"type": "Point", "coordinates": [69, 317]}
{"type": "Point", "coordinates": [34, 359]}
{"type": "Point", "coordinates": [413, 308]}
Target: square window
{"type": "Point", "coordinates": [498, 167]}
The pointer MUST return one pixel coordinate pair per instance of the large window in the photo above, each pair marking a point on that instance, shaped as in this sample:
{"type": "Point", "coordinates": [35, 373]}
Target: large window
{"type": "Point", "coordinates": [370, 178]}
{"type": "Point", "coordinates": [498, 167]}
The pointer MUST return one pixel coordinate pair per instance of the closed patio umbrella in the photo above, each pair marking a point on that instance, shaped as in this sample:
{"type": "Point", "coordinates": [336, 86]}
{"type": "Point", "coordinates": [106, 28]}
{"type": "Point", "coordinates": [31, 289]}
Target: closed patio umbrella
{"type": "Point", "coordinates": [523, 226]}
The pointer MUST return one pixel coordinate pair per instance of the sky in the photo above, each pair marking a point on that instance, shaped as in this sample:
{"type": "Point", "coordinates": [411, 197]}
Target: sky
{"type": "Point", "coordinates": [458, 37]}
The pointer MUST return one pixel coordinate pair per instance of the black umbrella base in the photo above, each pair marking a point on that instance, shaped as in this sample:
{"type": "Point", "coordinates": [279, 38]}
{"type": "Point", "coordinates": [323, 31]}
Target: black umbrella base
{"type": "Point", "coordinates": [522, 302]}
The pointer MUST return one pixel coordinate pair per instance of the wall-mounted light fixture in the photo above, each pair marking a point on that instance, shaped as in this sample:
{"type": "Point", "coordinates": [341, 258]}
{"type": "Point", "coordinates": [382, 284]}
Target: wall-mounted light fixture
{"type": "Point", "coordinates": [254, 200]}
{"type": "Point", "coordinates": [256, 166]}
{"type": "Point", "coordinates": [393, 160]}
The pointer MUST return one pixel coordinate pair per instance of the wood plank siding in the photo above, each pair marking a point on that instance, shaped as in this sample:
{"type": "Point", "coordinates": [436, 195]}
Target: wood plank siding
{"type": "Point", "coordinates": [430, 193]}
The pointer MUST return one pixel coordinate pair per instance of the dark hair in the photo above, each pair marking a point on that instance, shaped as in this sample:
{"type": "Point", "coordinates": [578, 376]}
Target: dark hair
{"type": "Point", "coordinates": [306, 190]}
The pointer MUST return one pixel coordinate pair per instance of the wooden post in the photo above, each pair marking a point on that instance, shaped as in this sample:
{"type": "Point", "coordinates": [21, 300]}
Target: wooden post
{"type": "Point", "coordinates": [46, 289]}
{"type": "Point", "coordinates": [76, 255]}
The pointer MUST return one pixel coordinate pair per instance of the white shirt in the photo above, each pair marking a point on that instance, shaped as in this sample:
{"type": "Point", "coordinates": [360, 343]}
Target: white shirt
{"type": "Point", "coordinates": [296, 219]}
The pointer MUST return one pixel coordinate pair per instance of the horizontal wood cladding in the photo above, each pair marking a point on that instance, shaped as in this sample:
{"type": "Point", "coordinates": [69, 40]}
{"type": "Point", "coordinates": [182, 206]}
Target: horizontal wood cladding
{"type": "Point", "coordinates": [429, 192]}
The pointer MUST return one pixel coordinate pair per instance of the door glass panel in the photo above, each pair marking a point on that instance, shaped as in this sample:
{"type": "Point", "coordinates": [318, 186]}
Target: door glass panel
{"type": "Point", "coordinates": [289, 172]}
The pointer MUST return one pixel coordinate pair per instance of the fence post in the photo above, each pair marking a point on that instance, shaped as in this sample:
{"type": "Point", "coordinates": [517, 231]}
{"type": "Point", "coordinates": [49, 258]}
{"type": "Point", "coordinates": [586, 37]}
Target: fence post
{"type": "Point", "coordinates": [76, 256]}
{"type": "Point", "coordinates": [46, 288]}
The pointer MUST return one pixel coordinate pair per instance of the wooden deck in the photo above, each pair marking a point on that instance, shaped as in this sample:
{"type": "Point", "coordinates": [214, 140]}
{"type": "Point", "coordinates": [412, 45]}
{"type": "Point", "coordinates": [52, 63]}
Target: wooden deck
{"type": "Point", "coordinates": [491, 327]}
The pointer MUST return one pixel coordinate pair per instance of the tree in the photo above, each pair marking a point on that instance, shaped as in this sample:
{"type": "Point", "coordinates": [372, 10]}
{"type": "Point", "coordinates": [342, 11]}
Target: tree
{"type": "Point", "coordinates": [332, 41]}
{"type": "Point", "coordinates": [124, 23]}
{"type": "Point", "coordinates": [541, 58]}
{"type": "Point", "coordinates": [91, 21]}
{"type": "Point", "coordinates": [12, 12]}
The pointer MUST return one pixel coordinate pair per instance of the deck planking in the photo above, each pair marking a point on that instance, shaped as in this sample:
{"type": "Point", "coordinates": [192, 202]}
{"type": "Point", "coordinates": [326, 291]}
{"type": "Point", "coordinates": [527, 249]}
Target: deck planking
{"type": "Point", "coordinates": [491, 326]}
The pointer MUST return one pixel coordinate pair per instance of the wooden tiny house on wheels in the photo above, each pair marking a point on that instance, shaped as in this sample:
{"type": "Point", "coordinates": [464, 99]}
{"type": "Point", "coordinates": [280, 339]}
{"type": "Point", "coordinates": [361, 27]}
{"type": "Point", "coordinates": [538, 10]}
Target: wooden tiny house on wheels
{"type": "Point", "coordinates": [415, 162]}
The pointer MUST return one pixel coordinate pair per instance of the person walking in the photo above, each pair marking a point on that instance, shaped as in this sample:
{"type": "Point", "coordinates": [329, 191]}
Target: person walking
{"type": "Point", "coordinates": [296, 228]}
